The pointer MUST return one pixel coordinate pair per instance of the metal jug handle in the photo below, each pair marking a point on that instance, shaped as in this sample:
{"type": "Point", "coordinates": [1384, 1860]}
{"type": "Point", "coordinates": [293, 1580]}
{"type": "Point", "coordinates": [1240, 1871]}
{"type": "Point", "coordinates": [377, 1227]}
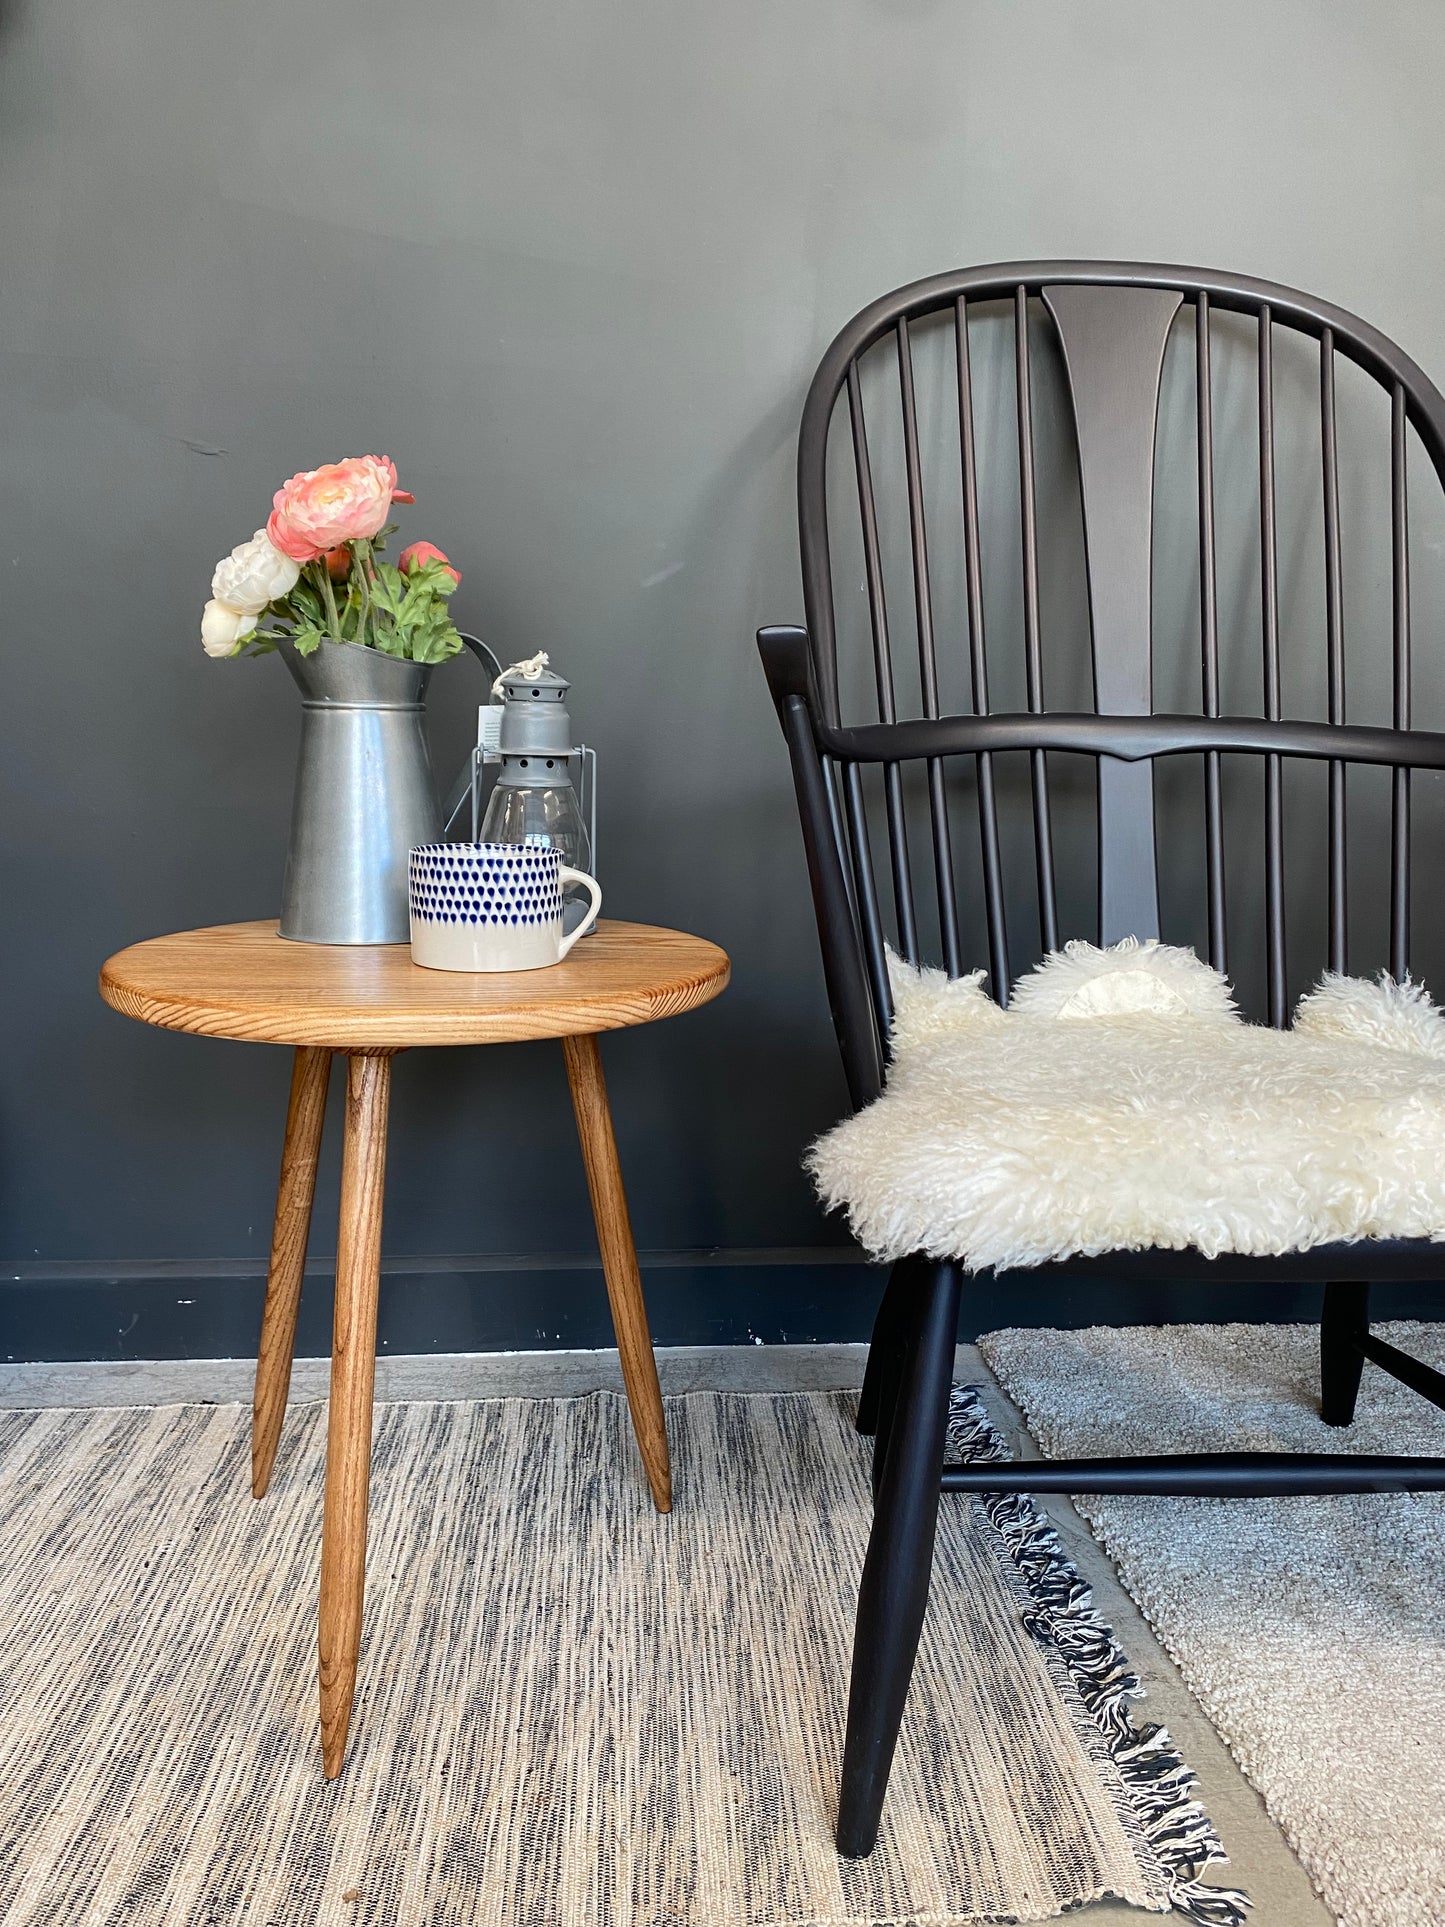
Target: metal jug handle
{"type": "Point", "coordinates": [482, 653]}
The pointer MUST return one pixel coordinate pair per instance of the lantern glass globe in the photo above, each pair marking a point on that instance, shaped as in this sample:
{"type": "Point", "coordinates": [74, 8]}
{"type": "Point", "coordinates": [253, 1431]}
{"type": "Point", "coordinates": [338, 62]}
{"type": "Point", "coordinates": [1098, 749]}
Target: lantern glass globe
{"type": "Point", "coordinates": [545, 816]}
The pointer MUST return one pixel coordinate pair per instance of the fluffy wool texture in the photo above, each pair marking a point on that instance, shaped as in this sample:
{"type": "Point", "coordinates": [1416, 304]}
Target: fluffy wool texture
{"type": "Point", "coordinates": [1121, 1103]}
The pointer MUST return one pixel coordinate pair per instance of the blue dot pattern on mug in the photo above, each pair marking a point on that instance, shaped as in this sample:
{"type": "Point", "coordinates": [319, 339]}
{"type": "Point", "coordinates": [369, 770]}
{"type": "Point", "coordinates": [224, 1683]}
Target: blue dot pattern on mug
{"type": "Point", "coordinates": [455, 883]}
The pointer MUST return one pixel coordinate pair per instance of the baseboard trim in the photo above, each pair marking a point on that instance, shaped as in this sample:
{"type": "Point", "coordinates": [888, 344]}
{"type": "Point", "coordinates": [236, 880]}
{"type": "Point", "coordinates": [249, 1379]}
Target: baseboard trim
{"type": "Point", "coordinates": [135, 1309]}
{"type": "Point", "coordinates": [424, 1264]}
{"type": "Point", "coordinates": [437, 1375]}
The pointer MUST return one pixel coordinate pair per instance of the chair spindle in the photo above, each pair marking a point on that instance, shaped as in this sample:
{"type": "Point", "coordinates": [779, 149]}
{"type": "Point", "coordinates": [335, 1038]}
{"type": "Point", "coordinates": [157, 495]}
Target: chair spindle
{"type": "Point", "coordinates": [927, 658]}
{"type": "Point", "coordinates": [1209, 634]}
{"type": "Point", "coordinates": [917, 530]}
{"type": "Point", "coordinates": [867, 892]}
{"type": "Point", "coordinates": [1335, 644]}
{"type": "Point", "coordinates": [898, 855]}
{"type": "Point", "coordinates": [978, 664]}
{"type": "Point", "coordinates": [882, 669]}
{"type": "Point", "coordinates": [1033, 648]}
{"type": "Point", "coordinates": [1400, 623]}
{"type": "Point", "coordinates": [839, 833]}
{"type": "Point", "coordinates": [872, 555]}
{"type": "Point", "coordinates": [1269, 601]}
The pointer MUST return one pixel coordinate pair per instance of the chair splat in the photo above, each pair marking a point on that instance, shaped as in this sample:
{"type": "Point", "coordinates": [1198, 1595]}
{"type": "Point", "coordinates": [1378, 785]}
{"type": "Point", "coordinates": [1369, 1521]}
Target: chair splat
{"type": "Point", "coordinates": [1113, 341]}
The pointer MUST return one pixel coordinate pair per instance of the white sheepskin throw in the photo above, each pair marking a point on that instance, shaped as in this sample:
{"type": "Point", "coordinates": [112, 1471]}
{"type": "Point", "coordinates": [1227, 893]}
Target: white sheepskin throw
{"type": "Point", "coordinates": [1121, 1103]}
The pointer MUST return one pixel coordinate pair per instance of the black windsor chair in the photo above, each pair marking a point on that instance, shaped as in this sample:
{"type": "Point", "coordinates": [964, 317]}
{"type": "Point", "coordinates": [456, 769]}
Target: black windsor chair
{"type": "Point", "coordinates": [1111, 324]}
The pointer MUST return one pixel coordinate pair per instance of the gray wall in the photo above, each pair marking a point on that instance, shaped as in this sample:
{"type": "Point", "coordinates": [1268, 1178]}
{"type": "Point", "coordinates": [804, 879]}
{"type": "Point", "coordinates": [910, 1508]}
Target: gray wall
{"type": "Point", "coordinates": [571, 265]}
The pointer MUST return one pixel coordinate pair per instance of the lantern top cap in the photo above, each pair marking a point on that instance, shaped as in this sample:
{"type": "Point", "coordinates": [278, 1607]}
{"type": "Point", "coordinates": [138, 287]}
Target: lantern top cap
{"type": "Point", "coordinates": [531, 680]}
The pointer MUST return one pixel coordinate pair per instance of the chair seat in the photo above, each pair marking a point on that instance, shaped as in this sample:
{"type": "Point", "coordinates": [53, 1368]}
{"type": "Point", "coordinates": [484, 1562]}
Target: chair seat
{"type": "Point", "coordinates": [1019, 1138]}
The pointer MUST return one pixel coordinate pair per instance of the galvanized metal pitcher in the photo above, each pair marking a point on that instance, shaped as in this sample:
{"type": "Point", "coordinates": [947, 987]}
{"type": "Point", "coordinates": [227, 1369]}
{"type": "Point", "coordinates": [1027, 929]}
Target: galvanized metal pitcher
{"type": "Point", "coordinates": [364, 795]}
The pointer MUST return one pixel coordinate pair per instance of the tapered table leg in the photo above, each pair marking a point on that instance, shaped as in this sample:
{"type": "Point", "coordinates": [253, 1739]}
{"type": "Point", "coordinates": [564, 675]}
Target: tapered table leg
{"type": "Point", "coordinates": [305, 1114]}
{"type": "Point", "coordinates": [619, 1262]}
{"type": "Point", "coordinates": [353, 1371]}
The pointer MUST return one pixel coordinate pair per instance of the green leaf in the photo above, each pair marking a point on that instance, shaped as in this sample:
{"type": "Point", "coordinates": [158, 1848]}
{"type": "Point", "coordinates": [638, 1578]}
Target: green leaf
{"type": "Point", "coordinates": [304, 604]}
{"type": "Point", "coordinates": [436, 576]}
{"type": "Point", "coordinates": [388, 588]}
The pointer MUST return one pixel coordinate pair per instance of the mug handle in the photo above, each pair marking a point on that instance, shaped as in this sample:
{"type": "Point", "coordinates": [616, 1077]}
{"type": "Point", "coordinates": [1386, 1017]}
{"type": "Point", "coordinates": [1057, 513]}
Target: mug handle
{"type": "Point", "coordinates": [593, 889]}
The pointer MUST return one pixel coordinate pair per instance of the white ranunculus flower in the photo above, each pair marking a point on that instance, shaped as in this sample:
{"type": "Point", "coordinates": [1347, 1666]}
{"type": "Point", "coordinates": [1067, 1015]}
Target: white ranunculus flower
{"type": "Point", "coordinates": [253, 574]}
{"type": "Point", "coordinates": [222, 628]}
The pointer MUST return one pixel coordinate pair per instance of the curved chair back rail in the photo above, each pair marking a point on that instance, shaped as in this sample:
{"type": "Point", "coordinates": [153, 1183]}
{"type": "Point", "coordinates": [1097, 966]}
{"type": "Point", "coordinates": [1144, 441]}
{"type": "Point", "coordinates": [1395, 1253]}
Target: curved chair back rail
{"type": "Point", "coordinates": [1112, 323]}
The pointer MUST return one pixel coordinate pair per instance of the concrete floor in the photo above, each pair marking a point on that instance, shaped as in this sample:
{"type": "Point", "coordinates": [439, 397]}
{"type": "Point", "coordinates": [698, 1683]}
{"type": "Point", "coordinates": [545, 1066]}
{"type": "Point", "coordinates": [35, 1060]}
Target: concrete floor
{"type": "Point", "coordinates": [1260, 1860]}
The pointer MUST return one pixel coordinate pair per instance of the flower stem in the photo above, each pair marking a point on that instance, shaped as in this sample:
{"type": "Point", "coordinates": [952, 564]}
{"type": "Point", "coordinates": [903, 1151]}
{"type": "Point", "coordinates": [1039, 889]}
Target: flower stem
{"type": "Point", "coordinates": [329, 594]}
{"type": "Point", "coordinates": [368, 614]}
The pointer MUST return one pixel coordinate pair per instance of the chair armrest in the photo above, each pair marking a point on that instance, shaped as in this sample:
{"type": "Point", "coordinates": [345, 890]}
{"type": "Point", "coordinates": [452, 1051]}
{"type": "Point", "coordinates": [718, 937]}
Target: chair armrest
{"type": "Point", "coordinates": [788, 663]}
{"type": "Point", "coordinates": [788, 666]}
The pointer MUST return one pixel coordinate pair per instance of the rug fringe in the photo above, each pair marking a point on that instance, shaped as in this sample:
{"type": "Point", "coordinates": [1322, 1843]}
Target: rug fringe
{"type": "Point", "coordinates": [1058, 1610]}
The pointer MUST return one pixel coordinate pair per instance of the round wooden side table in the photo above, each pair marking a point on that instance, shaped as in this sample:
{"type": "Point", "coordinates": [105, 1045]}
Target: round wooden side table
{"type": "Point", "coordinates": [241, 980]}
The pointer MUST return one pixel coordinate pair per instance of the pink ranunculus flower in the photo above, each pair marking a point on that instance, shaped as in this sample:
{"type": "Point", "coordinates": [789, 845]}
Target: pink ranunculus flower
{"type": "Point", "coordinates": [418, 554]}
{"type": "Point", "coordinates": [338, 502]}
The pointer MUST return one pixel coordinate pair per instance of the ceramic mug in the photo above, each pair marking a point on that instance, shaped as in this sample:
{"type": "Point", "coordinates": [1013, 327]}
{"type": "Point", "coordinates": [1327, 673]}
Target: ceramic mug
{"type": "Point", "coordinates": [492, 906]}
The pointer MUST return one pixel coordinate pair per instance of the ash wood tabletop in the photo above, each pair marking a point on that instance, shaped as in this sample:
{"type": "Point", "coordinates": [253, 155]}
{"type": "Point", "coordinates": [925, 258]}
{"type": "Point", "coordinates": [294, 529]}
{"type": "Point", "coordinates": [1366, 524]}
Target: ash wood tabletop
{"type": "Point", "coordinates": [241, 980]}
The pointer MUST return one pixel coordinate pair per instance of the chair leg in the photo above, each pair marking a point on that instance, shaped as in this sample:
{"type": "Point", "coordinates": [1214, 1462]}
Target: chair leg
{"type": "Point", "coordinates": [619, 1262]}
{"type": "Point", "coordinates": [353, 1371]}
{"type": "Point", "coordinates": [883, 1349]}
{"type": "Point", "coordinates": [894, 1593]}
{"type": "Point", "coordinates": [904, 1285]}
{"type": "Point", "coordinates": [305, 1114]}
{"type": "Point", "coordinates": [1343, 1322]}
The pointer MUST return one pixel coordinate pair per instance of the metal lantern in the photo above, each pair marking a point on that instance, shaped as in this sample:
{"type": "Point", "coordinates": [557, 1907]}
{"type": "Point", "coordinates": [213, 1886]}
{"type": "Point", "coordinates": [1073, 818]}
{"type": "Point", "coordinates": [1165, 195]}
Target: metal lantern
{"type": "Point", "coordinates": [525, 734]}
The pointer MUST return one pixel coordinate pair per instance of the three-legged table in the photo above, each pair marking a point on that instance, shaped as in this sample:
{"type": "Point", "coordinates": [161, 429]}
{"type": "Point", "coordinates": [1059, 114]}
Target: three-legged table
{"type": "Point", "coordinates": [242, 981]}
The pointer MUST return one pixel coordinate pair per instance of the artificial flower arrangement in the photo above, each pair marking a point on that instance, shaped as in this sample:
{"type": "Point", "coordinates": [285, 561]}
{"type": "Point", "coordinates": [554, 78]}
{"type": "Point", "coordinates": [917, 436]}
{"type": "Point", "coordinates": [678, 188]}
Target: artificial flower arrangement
{"type": "Point", "coordinates": [317, 572]}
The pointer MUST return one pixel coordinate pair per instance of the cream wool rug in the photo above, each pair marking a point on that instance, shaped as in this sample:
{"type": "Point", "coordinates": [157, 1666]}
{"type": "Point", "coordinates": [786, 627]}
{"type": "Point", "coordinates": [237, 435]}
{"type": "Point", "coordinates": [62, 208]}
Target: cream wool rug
{"type": "Point", "coordinates": [1309, 1629]}
{"type": "Point", "coordinates": [572, 1713]}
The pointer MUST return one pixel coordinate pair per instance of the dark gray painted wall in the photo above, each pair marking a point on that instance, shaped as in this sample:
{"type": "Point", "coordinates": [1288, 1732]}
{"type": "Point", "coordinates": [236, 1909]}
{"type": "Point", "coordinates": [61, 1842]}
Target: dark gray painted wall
{"type": "Point", "coordinates": [570, 264]}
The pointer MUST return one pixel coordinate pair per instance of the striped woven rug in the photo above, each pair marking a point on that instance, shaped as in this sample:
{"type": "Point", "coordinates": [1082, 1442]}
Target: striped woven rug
{"type": "Point", "coordinates": [572, 1712]}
